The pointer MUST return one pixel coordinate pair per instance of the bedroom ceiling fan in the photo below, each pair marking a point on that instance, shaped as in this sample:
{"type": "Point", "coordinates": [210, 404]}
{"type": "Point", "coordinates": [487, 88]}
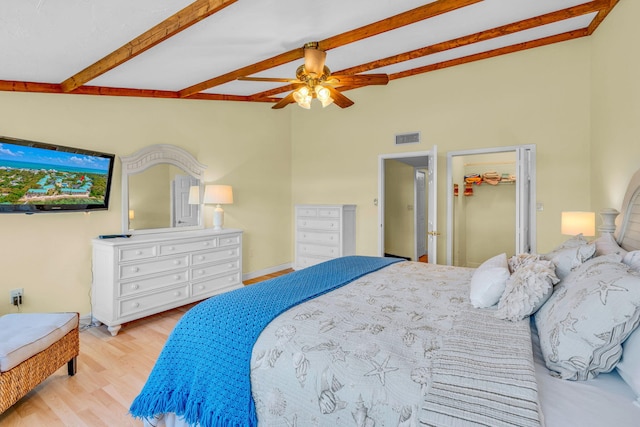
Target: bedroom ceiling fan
{"type": "Point", "coordinates": [314, 80]}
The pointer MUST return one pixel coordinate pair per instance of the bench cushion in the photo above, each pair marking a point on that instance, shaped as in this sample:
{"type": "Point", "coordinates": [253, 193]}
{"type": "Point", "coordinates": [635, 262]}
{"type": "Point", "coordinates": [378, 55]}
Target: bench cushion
{"type": "Point", "coordinates": [23, 335]}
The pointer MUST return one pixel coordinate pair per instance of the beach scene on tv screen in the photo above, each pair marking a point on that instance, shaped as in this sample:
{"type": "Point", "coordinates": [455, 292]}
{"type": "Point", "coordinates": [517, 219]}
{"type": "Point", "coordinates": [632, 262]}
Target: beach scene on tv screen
{"type": "Point", "coordinates": [32, 175]}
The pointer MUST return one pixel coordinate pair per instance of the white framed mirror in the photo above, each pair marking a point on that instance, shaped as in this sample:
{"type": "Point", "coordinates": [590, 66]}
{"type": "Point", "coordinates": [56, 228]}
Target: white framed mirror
{"type": "Point", "coordinates": [156, 184]}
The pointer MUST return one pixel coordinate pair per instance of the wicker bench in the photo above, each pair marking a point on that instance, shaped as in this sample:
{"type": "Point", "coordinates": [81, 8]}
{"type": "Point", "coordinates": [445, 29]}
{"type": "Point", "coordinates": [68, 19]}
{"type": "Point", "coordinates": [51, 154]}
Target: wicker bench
{"type": "Point", "coordinates": [32, 347]}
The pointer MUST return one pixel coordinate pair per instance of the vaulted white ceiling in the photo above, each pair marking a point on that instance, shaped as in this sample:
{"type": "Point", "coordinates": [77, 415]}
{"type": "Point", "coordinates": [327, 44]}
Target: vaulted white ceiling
{"type": "Point", "coordinates": [186, 49]}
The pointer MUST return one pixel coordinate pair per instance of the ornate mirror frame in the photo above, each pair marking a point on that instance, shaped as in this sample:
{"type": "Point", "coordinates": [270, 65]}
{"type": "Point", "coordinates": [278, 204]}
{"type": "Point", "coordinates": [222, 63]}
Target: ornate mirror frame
{"type": "Point", "coordinates": [156, 155]}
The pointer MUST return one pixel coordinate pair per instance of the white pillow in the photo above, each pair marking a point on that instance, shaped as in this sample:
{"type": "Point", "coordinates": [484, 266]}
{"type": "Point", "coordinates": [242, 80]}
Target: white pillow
{"type": "Point", "coordinates": [526, 290]}
{"type": "Point", "coordinates": [629, 365]}
{"type": "Point", "coordinates": [632, 259]}
{"type": "Point", "coordinates": [606, 244]}
{"type": "Point", "coordinates": [591, 312]}
{"type": "Point", "coordinates": [570, 255]}
{"type": "Point", "coordinates": [488, 281]}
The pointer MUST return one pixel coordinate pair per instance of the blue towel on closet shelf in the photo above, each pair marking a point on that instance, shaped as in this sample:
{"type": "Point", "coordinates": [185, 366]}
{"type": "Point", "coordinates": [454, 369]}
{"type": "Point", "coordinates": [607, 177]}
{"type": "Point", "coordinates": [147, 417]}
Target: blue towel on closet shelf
{"type": "Point", "coordinates": [203, 371]}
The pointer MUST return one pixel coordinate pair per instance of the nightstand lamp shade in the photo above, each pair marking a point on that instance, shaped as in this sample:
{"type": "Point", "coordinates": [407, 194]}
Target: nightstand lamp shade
{"type": "Point", "coordinates": [574, 223]}
{"type": "Point", "coordinates": [218, 195]}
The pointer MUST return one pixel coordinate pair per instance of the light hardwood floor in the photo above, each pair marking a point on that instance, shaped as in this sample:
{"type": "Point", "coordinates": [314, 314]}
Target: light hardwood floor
{"type": "Point", "coordinates": [111, 373]}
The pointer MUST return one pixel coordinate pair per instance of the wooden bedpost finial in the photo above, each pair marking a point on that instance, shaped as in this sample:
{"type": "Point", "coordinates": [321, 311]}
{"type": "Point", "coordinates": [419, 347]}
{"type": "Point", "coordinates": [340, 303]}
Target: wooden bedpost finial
{"type": "Point", "coordinates": [608, 221]}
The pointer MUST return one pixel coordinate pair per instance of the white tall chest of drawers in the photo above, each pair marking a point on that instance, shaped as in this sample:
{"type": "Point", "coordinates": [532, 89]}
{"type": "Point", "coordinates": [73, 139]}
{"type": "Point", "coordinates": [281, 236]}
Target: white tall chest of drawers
{"type": "Point", "coordinates": [149, 273]}
{"type": "Point", "coordinates": [323, 232]}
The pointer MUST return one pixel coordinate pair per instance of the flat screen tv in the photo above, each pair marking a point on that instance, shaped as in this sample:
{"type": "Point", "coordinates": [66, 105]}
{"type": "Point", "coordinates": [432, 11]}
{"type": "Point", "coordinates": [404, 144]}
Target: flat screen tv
{"type": "Point", "coordinates": [38, 177]}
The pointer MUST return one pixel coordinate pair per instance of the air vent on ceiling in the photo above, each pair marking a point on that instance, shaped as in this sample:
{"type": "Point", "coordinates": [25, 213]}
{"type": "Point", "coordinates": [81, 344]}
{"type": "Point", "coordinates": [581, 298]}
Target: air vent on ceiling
{"type": "Point", "coordinates": [408, 138]}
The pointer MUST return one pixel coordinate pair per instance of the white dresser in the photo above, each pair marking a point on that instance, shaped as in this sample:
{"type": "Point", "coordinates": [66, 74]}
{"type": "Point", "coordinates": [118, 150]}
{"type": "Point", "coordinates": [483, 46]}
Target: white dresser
{"type": "Point", "coordinates": [324, 232]}
{"type": "Point", "coordinates": [150, 273]}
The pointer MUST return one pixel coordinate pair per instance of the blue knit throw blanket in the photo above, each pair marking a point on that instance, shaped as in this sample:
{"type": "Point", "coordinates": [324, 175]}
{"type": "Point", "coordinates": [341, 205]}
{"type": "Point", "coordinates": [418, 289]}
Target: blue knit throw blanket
{"type": "Point", "coordinates": [203, 371]}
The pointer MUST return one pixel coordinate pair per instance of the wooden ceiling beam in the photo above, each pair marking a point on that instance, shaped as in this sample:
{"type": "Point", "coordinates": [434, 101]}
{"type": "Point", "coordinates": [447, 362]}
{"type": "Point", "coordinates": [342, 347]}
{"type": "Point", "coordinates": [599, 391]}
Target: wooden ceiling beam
{"type": "Point", "coordinates": [601, 15]}
{"type": "Point", "coordinates": [20, 86]}
{"type": "Point", "coordinates": [181, 20]}
{"type": "Point", "coordinates": [406, 18]}
{"type": "Point", "coordinates": [526, 24]}
{"type": "Point", "coordinates": [493, 53]}
{"type": "Point", "coordinates": [504, 30]}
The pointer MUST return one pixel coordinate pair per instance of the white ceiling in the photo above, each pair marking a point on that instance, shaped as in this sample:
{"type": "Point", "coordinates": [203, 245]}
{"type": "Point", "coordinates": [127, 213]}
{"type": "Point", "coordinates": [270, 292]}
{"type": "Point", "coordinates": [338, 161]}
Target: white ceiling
{"type": "Point", "coordinates": [47, 41]}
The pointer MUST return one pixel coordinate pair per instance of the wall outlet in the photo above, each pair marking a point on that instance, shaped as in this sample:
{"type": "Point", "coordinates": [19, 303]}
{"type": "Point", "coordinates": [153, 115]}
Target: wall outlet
{"type": "Point", "coordinates": [17, 296]}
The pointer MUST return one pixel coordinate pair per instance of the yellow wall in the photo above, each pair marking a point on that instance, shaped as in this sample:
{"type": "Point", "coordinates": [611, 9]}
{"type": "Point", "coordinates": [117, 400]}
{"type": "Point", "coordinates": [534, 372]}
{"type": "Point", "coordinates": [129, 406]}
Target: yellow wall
{"type": "Point", "coordinates": [539, 96]}
{"type": "Point", "coordinates": [615, 105]}
{"type": "Point", "coordinates": [244, 145]}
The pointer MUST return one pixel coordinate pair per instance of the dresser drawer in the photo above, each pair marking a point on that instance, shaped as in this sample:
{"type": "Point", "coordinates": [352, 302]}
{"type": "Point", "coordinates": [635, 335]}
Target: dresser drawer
{"type": "Point", "coordinates": [311, 249]}
{"type": "Point", "coordinates": [327, 238]}
{"type": "Point", "coordinates": [156, 266]}
{"type": "Point", "coordinates": [182, 247]}
{"type": "Point", "coordinates": [328, 213]}
{"type": "Point", "coordinates": [229, 241]}
{"type": "Point", "coordinates": [137, 252]}
{"type": "Point", "coordinates": [309, 212]}
{"type": "Point", "coordinates": [319, 224]}
{"type": "Point", "coordinates": [216, 284]}
{"type": "Point", "coordinates": [149, 284]}
{"type": "Point", "coordinates": [212, 270]}
{"type": "Point", "coordinates": [148, 302]}
{"type": "Point", "coordinates": [218, 255]}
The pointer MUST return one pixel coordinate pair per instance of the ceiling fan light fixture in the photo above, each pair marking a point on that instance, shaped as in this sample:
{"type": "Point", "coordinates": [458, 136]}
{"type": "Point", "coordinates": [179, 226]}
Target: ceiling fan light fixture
{"type": "Point", "coordinates": [303, 97]}
{"type": "Point", "coordinates": [324, 95]}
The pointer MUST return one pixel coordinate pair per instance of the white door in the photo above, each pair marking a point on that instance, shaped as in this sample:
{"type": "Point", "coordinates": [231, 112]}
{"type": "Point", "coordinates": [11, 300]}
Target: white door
{"type": "Point", "coordinates": [420, 213]}
{"type": "Point", "coordinates": [183, 214]}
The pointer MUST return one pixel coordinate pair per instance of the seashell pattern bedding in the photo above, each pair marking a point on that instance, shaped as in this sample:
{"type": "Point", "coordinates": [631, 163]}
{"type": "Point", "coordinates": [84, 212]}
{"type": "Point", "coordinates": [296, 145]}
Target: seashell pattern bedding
{"type": "Point", "coordinates": [380, 352]}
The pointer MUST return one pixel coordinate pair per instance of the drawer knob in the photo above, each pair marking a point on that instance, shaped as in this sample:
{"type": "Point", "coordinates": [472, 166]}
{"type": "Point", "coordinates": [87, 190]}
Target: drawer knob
{"type": "Point", "coordinates": [201, 272]}
{"type": "Point", "coordinates": [136, 304]}
{"type": "Point", "coordinates": [230, 252]}
{"type": "Point", "coordinates": [135, 269]}
{"type": "Point", "coordinates": [201, 287]}
{"type": "Point", "coordinates": [177, 277]}
{"type": "Point", "coordinates": [230, 279]}
{"type": "Point", "coordinates": [176, 294]}
{"type": "Point", "coordinates": [331, 238]}
{"type": "Point", "coordinates": [201, 257]}
{"type": "Point", "coordinates": [230, 265]}
{"type": "Point", "coordinates": [134, 286]}
{"type": "Point", "coordinates": [206, 243]}
{"type": "Point", "coordinates": [170, 248]}
{"type": "Point", "coordinates": [304, 222]}
{"type": "Point", "coordinates": [176, 262]}
{"type": "Point", "coordinates": [138, 252]}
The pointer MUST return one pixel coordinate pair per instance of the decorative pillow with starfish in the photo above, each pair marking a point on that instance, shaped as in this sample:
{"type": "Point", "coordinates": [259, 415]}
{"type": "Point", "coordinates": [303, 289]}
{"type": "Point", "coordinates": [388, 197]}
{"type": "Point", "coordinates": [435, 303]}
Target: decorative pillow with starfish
{"type": "Point", "coordinates": [591, 312]}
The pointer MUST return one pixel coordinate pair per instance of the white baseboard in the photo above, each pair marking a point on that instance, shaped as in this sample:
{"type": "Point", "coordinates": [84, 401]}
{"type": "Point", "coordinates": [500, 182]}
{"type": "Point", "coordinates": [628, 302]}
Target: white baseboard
{"type": "Point", "coordinates": [265, 271]}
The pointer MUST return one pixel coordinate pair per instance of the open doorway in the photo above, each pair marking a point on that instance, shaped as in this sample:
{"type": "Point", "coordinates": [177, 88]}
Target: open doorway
{"type": "Point", "coordinates": [407, 205]}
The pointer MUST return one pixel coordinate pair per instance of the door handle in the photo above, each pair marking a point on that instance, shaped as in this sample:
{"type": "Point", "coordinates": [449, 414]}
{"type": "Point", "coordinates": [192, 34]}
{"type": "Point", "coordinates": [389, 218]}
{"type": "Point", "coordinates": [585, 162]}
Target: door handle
{"type": "Point", "coordinates": [433, 233]}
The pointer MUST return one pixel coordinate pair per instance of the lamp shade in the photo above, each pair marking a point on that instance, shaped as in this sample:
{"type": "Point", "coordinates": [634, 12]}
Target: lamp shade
{"type": "Point", "coordinates": [218, 194]}
{"type": "Point", "coordinates": [574, 223]}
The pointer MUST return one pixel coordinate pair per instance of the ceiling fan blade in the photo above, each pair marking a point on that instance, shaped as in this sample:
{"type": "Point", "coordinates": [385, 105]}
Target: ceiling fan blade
{"type": "Point", "coordinates": [339, 99]}
{"type": "Point", "coordinates": [268, 79]}
{"type": "Point", "coordinates": [359, 79]}
{"type": "Point", "coordinates": [284, 101]}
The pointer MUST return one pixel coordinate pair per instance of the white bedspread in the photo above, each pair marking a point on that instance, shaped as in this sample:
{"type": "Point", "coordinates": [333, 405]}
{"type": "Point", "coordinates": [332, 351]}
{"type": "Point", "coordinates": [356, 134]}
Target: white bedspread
{"type": "Point", "coordinates": [383, 351]}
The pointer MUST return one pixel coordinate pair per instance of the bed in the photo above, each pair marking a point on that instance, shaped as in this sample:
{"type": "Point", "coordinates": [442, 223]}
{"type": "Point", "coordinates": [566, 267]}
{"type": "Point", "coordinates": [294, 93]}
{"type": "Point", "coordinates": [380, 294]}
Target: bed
{"type": "Point", "coordinates": [366, 341]}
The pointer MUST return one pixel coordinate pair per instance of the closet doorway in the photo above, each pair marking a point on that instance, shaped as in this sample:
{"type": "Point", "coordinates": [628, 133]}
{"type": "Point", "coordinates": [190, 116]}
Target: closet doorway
{"type": "Point", "coordinates": [407, 205]}
{"type": "Point", "coordinates": [490, 203]}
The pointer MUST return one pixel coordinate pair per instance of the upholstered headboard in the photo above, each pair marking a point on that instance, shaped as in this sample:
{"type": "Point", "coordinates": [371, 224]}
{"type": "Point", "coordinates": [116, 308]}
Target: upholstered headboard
{"type": "Point", "coordinates": [628, 231]}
